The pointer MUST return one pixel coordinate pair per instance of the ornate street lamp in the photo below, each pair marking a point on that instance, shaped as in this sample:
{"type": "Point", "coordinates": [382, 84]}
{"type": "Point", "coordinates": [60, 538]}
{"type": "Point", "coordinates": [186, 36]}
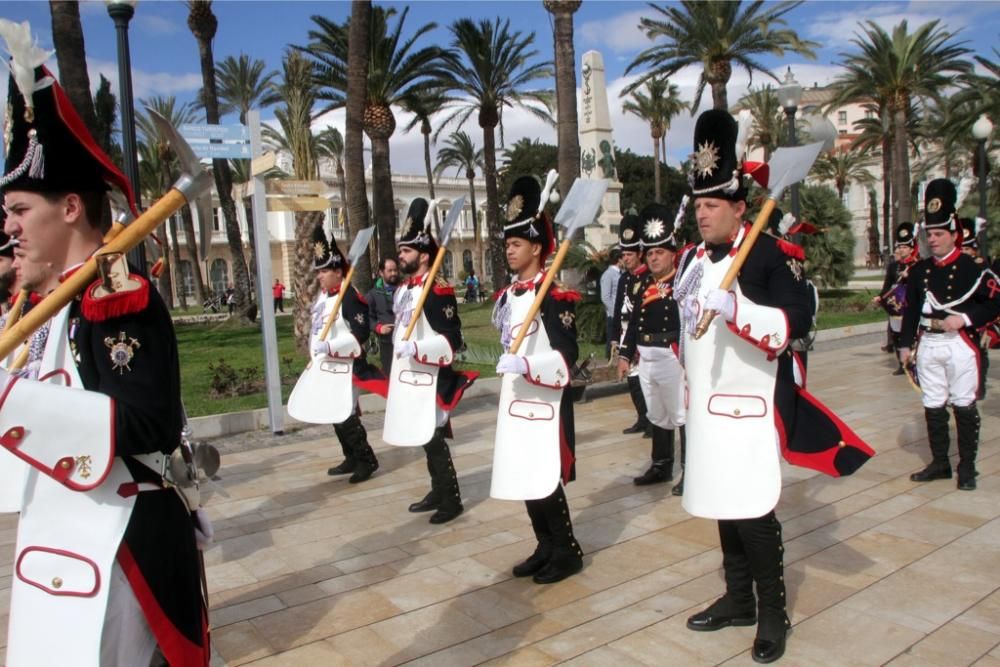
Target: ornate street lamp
{"type": "Point", "coordinates": [981, 131]}
{"type": "Point", "coordinates": [121, 12]}
{"type": "Point", "coordinates": [789, 96]}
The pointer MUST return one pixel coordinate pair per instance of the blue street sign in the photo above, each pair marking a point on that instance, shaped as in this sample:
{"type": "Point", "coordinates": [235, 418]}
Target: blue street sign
{"type": "Point", "coordinates": [234, 151]}
{"type": "Point", "coordinates": [235, 132]}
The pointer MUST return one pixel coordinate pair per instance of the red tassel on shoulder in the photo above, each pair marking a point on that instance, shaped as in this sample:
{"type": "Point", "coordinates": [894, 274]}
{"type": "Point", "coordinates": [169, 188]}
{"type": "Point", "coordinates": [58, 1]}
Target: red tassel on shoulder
{"type": "Point", "coordinates": [444, 290]}
{"type": "Point", "coordinates": [792, 250]}
{"type": "Point", "coordinates": [561, 294]}
{"type": "Point", "coordinates": [99, 309]}
{"type": "Point", "coordinates": [361, 297]}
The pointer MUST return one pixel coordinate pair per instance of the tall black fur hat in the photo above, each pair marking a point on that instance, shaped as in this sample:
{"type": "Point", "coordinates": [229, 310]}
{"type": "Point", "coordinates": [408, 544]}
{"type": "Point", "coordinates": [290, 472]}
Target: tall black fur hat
{"type": "Point", "coordinates": [716, 169]}
{"type": "Point", "coordinates": [939, 205]}
{"type": "Point", "coordinates": [525, 219]}
{"type": "Point", "coordinates": [904, 234]}
{"type": "Point", "coordinates": [629, 232]}
{"type": "Point", "coordinates": [326, 254]}
{"type": "Point", "coordinates": [657, 227]}
{"type": "Point", "coordinates": [416, 232]}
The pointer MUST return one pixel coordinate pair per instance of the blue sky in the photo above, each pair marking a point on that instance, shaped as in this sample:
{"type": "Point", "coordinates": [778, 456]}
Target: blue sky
{"type": "Point", "coordinates": [165, 56]}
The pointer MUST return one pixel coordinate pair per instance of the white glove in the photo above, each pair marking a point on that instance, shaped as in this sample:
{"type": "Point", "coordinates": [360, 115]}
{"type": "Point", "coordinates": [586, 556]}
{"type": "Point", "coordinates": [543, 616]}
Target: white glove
{"type": "Point", "coordinates": [722, 302]}
{"type": "Point", "coordinates": [204, 533]}
{"type": "Point", "coordinates": [406, 349]}
{"type": "Point", "coordinates": [321, 347]}
{"type": "Point", "coordinates": [511, 363]}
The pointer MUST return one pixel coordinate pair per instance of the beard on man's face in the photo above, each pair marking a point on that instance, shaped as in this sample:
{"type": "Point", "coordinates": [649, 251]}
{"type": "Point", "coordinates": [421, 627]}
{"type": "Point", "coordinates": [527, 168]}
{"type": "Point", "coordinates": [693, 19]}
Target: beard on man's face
{"type": "Point", "coordinates": [408, 268]}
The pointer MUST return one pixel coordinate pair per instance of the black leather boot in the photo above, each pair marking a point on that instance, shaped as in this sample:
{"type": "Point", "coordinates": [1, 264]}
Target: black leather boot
{"type": "Point", "coordinates": [662, 468]}
{"type": "Point", "coordinates": [430, 502]}
{"type": "Point", "coordinates": [765, 552]}
{"type": "Point", "coordinates": [566, 558]}
{"type": "Point", "coordinates": [639, 401]}
{"type": "Point", "coordinates": [940, 441]}
{"type": "Point", "coordinates": [678, 489]}
{"type": "Point", "coordinates": [444, 478]}
{"type": "Point", "coordinates": [353, 433]}
{"type": "Point", "coordinates": [737, 606]}
{"type": "Point", "coordinates": [543, 551]}
{"type": "Point", "coordinates": [346, 466]}
{"type": "Point", "coordinates": [967, 424]}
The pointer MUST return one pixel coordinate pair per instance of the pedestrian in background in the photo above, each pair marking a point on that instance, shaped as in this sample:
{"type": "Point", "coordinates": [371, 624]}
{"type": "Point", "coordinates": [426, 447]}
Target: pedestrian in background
{"type": "Point", "coordinates": [381, 317]}
{"type": "Point", "coordinates": [609, 290]}
{"type": "Point", "coordinates": [278, 291]}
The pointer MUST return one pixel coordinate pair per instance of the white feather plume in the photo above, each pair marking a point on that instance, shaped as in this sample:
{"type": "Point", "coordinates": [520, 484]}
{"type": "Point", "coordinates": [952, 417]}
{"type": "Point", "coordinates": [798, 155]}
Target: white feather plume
{"type": "Point", "coordinates": [679, 219]}
{"type": "Point", "coordinates": [964, 188]}
{"type": "Point", "coordinates": [745, 122]}
{"type": "Point", "coordinates": [786, 223]}
{"type": "Point", "coordinates": [26, 55]}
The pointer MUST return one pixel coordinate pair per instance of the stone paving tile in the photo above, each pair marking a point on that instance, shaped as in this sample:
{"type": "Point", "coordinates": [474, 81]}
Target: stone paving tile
{"type": "Point", "coordinates": [309, 570]}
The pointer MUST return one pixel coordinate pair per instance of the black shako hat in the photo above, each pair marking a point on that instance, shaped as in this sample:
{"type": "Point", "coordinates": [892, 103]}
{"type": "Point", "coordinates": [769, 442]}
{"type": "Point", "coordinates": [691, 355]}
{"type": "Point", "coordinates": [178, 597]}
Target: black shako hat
{"type": "Point", "coordinates": [525, 218]}
{"type": "Point", "coordinates": [629, 232]}
{"type": "Point", "coordinates": [48, 148]}
{"type": "Point", "coordinates": [969, 231]}
{"type": "Point", "coordinates": [416, 233]}
{"type": "Point", "coordinates": [326, 254]}
{"type": "Point", "coordinates": [904, 234]}
{"type": "Point", "coordinates": [939, 205]}
{"type": "Point", "coordinates": [657, 228]}
{"type": "Point", "coordinates": [716, 169]}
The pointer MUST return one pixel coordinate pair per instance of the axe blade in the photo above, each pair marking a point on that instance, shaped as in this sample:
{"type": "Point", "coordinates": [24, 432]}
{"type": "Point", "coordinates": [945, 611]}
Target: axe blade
{"type": "Point", "coordinates": [194, 181]}
{"type": "Point", "coordinates": [449, 223]}
{"type": "Point", "coordinates": [791, 165]}
{"type": "Point", "coordinates": [360, 245]}
{"type": "Point", "coordinates": [581, 205]}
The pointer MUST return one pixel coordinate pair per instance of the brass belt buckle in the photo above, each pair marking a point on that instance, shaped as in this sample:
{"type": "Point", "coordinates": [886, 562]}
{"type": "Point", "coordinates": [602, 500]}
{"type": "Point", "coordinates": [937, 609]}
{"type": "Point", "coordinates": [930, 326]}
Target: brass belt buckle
{"type": "Point", "coordinates": [937, 326]}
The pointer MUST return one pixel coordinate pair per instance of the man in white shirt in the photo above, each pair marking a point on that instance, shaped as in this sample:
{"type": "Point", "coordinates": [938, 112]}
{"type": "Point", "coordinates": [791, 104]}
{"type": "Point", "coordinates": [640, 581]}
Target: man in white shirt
{"type": "Point", "coordinates": [609, 288]}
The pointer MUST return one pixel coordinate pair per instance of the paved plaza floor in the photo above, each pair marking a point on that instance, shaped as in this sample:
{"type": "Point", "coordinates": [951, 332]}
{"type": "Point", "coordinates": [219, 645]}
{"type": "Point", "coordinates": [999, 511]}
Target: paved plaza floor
{"type": "Point", "coordinates": [310, 570]}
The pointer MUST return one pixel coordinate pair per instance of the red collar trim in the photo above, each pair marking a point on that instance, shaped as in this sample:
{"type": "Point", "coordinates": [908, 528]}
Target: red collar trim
{"type": "Point", "coordinates": [641, 270]}
{"type": "Point", "coordinates": [417, 281]}
{"type": "Point", "coordinates": [949, 258]}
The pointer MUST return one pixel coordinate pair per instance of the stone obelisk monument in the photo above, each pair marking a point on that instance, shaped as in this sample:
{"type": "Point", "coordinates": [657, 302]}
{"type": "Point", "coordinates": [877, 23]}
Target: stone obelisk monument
{"type": "Point", "coordinates": [597, 150]}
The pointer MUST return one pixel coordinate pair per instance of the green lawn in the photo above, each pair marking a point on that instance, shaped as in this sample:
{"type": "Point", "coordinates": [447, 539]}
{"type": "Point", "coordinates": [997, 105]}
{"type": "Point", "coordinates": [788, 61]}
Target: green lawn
{"type": "Point", "coordinates": [240, 348]}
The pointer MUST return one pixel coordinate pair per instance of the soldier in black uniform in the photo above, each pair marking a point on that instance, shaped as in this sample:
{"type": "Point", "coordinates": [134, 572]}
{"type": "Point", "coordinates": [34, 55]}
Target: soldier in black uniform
{"type": "Point", "coordinates": [651, 342]}
{"type": "Point", "coordinates": [892, 296]}
{"type": "Point", "coordinates": [416, 248]}
{"type": "Point", "coordinates": [970, 246]}
{"type": "Point", "coordinates": [628, 243]}
{"type": "Point", "coordinates": [529, 240]}
{"type": "Point", "coordinates": [121, 338]}
{"type": "Point", "coordinates": [948, 297]}
{"type": "Point", "coordinates": [330, 266]}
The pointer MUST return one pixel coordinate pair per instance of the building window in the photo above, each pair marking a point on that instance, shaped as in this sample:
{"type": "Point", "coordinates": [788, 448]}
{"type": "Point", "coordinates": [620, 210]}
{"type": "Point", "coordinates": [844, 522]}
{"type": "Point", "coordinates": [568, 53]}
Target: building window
{"type": "Point", "coordinates": [467, 261]}
{"type": "Point", "coordinates": [186, 274]}
{"type": "Point", "coordinates": [219, 275]}
{"type": "Point", "coordinates": [448, 266]}
{"type": "Point", "coordinates": [399, 218]}
{"type": "Point", "coordinates": [467, 220]}
{"type": "Point", "coordinates": [869, 114]}
{"type": "Point", "coordinates": [842, 132]}
{"type": "Point", "coordinates": [842, 117]}
{"type": "Point", "coordinates": [218, 222]}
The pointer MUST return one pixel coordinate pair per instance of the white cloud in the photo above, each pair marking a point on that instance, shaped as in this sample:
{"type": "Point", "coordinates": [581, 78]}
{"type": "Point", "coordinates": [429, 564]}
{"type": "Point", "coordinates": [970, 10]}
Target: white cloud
{"type": "Point", "coordinates": [156, 25]}
{"type": "Point", "coordinates": [621, 34]}
{"type": "Point", "coordinates": [836, 29]}
{"type": "Point", "coordinates": [144, 83]}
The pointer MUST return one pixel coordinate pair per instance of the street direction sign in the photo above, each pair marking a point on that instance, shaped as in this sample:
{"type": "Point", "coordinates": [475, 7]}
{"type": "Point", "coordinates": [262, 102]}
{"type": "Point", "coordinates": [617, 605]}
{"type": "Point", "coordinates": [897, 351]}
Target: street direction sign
{"type": "Point", "coordinates": [298, 204]}
{"type": "Point", "coordinates": [235, 132]}
{"type": "Point", "coordinates": [215, 151]}
{"type": "Point", "coordinates": [277, 186]}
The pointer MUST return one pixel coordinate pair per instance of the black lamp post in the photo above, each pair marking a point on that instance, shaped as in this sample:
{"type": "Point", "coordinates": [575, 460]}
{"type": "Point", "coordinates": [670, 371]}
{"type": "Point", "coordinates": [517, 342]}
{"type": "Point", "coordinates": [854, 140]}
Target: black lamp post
{"type": "Point", "coordinates": [981, 130]}
{"type": "Point", "coordinates": [121, 11]}
{"type": "Point", "coordinates": [789, 96]}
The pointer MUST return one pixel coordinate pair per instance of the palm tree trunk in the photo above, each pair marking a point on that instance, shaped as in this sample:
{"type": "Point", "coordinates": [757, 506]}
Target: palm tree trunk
{"type": "Point", "coordinates": [165, 282]}
{"type": "Point", "coordinates": [656, 170]}
{"type": "Point", "coordinates": [176, 252]}
{"type": "Point", "coordinates": [476, 235]}
{"type": "Point", "coordinates": [569, 134]}
{"type": "Point", "coordinates": [192, 243]}
{"type": "Point", "coordinates": [886, 200]}
{"type": "Point", "coordinates": [248, 212]}
{"type": "Point", "coordinates": [67, 37]}
{"type": "Point", "coordinates": [242, 298]}
{"type": "Point", "coordinates": [901, 167]}
{"type": "Point", "coordinates": [498, 265]}
{"type": "Point", "coordinates": [303, 283]}
{"type": "Point", "coordinates": [382, 200]}
{"type": "Point", "coordinates": [430, 179]}
{"type": "Point", "coordinates": [357, 82]}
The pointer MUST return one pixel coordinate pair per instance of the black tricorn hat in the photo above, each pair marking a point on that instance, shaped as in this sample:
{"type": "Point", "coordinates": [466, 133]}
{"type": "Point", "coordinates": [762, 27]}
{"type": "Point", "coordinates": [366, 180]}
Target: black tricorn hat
{"type": "Point", "coordinates": [525, 219]}
{"type": "Point", "coordinates": [657, 228]}
{"type": "Point", "coordinates": [939, 205]}
{"type": "Point", "coordinates": [416, 233]}
{"type": "Point", "coordinates": [716, 169]}
{"type": "Point", "coordinates": [904, 234]}
{"type": "Point", "coordinates": [49, 149]}
{"type": "Point", "coordinates": [326, 254]}
{"type": "Point", "coordinates": [629, 232]}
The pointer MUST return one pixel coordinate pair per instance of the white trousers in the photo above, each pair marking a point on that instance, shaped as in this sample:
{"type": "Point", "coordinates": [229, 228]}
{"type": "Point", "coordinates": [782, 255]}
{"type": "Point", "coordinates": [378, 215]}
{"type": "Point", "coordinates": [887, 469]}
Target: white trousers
{"type": "Point", "coordinates": [661, 377]}
{"type": "Point", "coordinates": [127, 640]}
{"type": "Point", "coordinates": [948, 368]}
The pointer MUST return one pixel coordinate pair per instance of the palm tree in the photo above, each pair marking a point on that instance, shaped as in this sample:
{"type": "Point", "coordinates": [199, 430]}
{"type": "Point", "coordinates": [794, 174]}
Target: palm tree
{"type": "Point", "coordinates": [243, 85]}
{"type": "Point", "coordinates": [106, 108]}
{"type": "Point", "coordinates": [768, 119]}
{"type": "Point", "coordinates": [424, 103]}
{"type": "Point", "coordinates": [177, 115]}
{"type": "Point", "coordinates": [716, 34]}
{"type": "Point", "coordinates": [490, 67]}
{"type": "Point", "coordinates": [461, 153]}
{"type": "Point", "coordinates": [330, 146]}
{"type": "Point", "coordinates": [566, 117]}
{"type": "Point", "coordinates": [395, 70]}
{"type": "Point", "coordinates": [657, 106]}
{"type": "Point", "coordinates": [842, 167]}
{"type": "Point", "coordinates": [902, 69]}
{"type": "Point", "coordinates": [875, 138]}
{"type": "Point", "coordinates": [295, 89]}
{"type": "Point", "coordinates": [152, 185]}
{"type": "Point", "coordinates": [203, 25]}
{"type": "Point", "coordinates": [67, 38]}
{"type": "Point", "coordinates": [354, 149]}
